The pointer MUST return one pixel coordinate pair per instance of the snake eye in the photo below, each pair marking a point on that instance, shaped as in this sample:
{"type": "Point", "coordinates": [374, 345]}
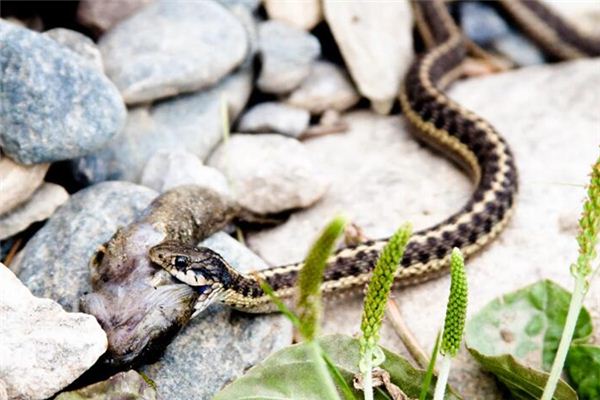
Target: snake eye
{"type": "Point", "coordinates": [180, 262]}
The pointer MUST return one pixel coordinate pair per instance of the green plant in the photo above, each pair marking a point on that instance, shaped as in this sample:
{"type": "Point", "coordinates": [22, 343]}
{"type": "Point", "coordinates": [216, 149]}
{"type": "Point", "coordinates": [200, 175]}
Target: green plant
{"type": "Point", "coordinates": [378, 291]}
{"type": "Point", "coordinates": [454, 325]}
{"type": "Point", "coordinates": [582, 271]}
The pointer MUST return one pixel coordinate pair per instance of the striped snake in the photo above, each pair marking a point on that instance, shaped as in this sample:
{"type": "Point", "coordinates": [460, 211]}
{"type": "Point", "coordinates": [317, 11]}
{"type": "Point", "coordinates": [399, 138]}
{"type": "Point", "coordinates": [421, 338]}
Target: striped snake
{"type": "Point", "coordinates": [465, 137]}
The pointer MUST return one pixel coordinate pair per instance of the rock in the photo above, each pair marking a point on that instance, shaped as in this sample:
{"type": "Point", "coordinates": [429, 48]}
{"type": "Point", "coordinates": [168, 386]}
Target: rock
{"type": "Point", "coordinates": [269, 173]}
{"type": "Point", "coordinates": [43, 348]}
{"type": "Point", "coordinates": [18, 182]}
{"type": "Point", "coordinates": [57, 106]}
{"type": "Point", "coordinates": [287, 54]}
{"type": "Point", "coordinates": [54, 263]}
{"type": "Point", "coordinates": [189, 122]}
{"type": "Point", "coordinates": [585, 15]}
{"type": "Point", "coordinates": [381, 177]}
{"type": "Point", "coordinates": [482, 23]}
{"type": "Point", "coordinates": [376, 43]}
{"type": "Point", "coordinates": [78, 43]}
{"type": "Point", "coordinates": [128, 385]}
{"type": "Point", "coordinates": [251, 5]}
{"type": "Point", "coordinates": [167, 169]}
{"type": "Point", "coordinates": [103, 15]}
{"type": "Point", "coordinates": [39, 207]}
{"type": "Point", "coordinates": [231, 340]}
{"type": "Point", "coordinates": [519, 49]}
{"type": "Point", "coordinates": [170, 48]}
{"type": "Point", "coordinates": [275, 117]}
{"type": "Point", "coordinates": [301, 14]}
{"type": "Point", "coordinates": [244, 12]}
{"type": "Point", "coordinates": [326, 88]}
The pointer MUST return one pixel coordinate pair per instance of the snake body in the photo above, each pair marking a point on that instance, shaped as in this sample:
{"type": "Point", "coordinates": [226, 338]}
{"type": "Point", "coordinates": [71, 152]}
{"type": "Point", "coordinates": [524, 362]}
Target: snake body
{"type": "Point", "coordinates": [436, 119]}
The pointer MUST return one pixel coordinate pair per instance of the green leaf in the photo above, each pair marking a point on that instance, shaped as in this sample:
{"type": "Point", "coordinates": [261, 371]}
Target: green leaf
{"type": "Point", "coordinates": [516, 337]}
{"type": "Point", "coordinates": [583, 368]}
{"type": "Point", "coordinates": [289, 373]}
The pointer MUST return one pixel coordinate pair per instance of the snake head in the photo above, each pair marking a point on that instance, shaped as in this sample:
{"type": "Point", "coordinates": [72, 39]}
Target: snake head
{"type": "Point", "coordinates": [199, 267]}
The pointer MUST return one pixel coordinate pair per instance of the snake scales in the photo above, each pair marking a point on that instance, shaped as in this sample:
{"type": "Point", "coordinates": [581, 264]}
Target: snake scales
{"type": "Point", "coordinates": [465, 137]}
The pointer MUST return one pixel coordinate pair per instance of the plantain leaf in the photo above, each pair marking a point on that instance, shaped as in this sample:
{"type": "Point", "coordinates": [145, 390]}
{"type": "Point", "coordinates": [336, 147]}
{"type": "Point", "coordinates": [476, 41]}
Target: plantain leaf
{"type": "Point", "coordinates": [289, 373]}
{"type": "Point", "coordinates": [516, 336]}
{"type": "Point", "coordinates": [583, 368]}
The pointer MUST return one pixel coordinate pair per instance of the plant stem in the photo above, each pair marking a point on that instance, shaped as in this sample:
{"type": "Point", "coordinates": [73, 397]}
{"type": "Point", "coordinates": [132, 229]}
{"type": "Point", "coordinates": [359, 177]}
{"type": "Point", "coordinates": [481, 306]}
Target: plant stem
{"type": "Point", "coordinates": [405, 334]}
{"type": "Point", "coordinates": [329, 392]}
{"type": "Point", "coordinates": [565, 340]}
{"type": "Point", "coordinates": [368, 375]}
{"type": "Point", "coordinates": [442, 380]}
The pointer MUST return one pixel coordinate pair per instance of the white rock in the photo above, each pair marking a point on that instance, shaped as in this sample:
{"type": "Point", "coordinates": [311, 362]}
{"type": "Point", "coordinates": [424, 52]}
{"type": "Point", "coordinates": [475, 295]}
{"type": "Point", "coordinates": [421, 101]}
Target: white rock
{"type": "Point", "coordinates": [18, 182]}
{"type": "Point", "coordinates": [585, 15]}
{"type": "Point", "coordinates": [78, 43]}
{"type": "Point", "coordinates": [303, 14]}
{"type": "Point", "coordinates": [269, 173]}
{"type": "Point", "coordinates": [168, 169]}
{"type": "Point", "coordinates": [43, 348]}
{"type": "Point", "coordinates": [375, 38]}
{"type": "Point", "coordinates": [38, 207]}
{"type": "Point", "coordinates": [172, 47]}
{"type": "Point", "coordinates": [103, 15]}
{"type": "Point", "coordinates": [326, 88]}
{"type": "Point", "coordinates": [287, 54]}
{"type": "Point", "coordinates": [382, 177]}
{"type": "Point", "coordinates": [275, 117]}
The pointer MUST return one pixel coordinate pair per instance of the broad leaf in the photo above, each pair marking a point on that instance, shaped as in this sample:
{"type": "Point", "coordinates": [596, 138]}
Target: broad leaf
{"type": "Point", "coordinates": [516, 337]}
{"type": "Point", "coordinates": [289, 373]}
{"type": "Point", "coordinates": [583, 368]}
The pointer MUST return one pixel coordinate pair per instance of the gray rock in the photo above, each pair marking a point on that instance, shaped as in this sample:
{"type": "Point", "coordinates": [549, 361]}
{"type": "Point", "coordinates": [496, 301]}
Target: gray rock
{"type": "Point", "coordinates": [79, 43]}
{"type": "Point", "coordinates": [327, 87]}
{"type": "Point", "coordinates": [103, 15]}
{"type": "Point", "coordinates": [381, 177]}
{"type": "Point", "coordinates": [482, 23]}
{"type": "Point", "coordinates": [269, 173]}
{"type": "Point", "coordinates": [190, 122]}
{"type": "Point", "coordinates": [55, 105]}
{"type": "Point", "coordinates": [167, 169]}
{"type": "Point", "coordinates": [251, 5]}
{"type": "Point", "coordinates": [43, 348]}
{"type": "Point", "coordinates": [287, 54]}
{"type": "Point", "coordinates": [231, 340]}
{"type": "Point", "coordinates": [173, 47]}
{"type": "Point", "coordinates": [38, 207]}
{"type": "Point", "coordinates": [519, 49]}
{"type": "Point", "coordinates": [128, 385]}
{"type": "Point", "coordinates": [18, 182]}
{"type": "Point", "coordinates": [275, 117]}
{"type": "Point", "coordinates": [54, 263]}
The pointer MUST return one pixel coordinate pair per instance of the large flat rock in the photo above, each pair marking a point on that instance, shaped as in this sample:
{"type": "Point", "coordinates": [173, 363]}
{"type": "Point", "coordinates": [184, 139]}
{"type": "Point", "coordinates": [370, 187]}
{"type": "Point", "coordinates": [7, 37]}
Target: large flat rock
{"type": "Point", "coordinates": [382, 177]}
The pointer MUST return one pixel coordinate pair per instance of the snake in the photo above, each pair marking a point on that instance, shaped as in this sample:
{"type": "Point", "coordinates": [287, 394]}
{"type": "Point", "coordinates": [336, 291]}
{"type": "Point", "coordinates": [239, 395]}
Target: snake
{"type": "Point", "coordinates": [440, 122]}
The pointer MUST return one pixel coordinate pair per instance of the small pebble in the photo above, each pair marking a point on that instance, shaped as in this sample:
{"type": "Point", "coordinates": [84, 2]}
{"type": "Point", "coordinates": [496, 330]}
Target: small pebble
{"type": "Point", "coordinates": [103, 15]}
{"type": "Point", "coordinates": [275, 117]}
{"type": "Point", "coordinates": [269, 173]}
{"type": "Point", "coordinates": [287, 54]}
{"type": "Point", "coordinates": [128, 385]}
{"type": "Point", "coordinates": [482, 23]}
{"type": "Point", "coordinates": [304, 14]}
{"type": "Point", "coordinates": [18, 182]}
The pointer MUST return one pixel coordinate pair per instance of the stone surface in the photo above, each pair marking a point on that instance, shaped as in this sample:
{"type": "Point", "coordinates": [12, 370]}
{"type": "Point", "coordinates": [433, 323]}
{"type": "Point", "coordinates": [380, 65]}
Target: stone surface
{"type": "Point", "coordinates": [287, 54]}
{"type": "Point", "coordinates": [376, 42]}
{"type": "Point", "coordinates": [481, 22]}
{"type": "Point", "coordinates": [54, 263]}
{"type": "Point", "coordinates": [220, 344]}
{"type": "Point", "coordinates": [326, 88]}
{"type": "Point", "coordinates": [128, 385]}
{"type": "Point", "coordinates": [38, 207]}
{"type": "Point", "coordinates": [275, 117]}
{"type": "Point", "coordinates": [381, 177]}
{"type": "Point", "coordinates": [56, 105]}
{"type": "Point", "coordinates": [167, 169]}
{"type": "Point", "coordinates": [78, 43]}
{"type": "Point", "coordinates": [43, 348]}
{"type": "Point", "coordinates": [189, 122]}
{"type": "Point", "coordinates": [585, 15]}
{"type": "Point", "coordinates": [303, 14]}
{"type": "Point", "coordinates": [18, 182]}
{"type": "Point", "coordinates": [269, 173]}
{"type": "Point", "coordinates": [103, 15]}
{"type": "Point", "coordinates": [518, 48]}
{"type": "Point", "coordinates": [171, 47]}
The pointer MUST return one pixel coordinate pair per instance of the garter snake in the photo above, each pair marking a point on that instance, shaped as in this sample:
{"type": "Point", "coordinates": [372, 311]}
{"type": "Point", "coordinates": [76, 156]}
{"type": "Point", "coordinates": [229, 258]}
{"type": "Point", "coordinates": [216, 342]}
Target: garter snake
{"type": "Point", "coordinates": [460, 134]}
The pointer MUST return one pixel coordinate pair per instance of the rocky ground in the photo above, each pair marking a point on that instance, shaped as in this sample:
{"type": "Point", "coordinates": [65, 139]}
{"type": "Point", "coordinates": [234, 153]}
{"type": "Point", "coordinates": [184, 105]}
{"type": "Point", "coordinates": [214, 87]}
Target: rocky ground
{"type": "Point", "coordinates": [95, 126]}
